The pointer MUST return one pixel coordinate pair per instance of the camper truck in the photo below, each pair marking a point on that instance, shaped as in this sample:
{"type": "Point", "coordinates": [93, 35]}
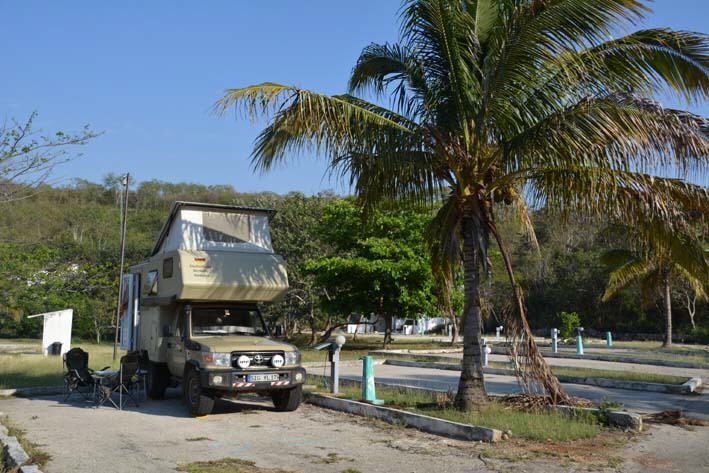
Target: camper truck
{"type": "Point", "coordinates": [192, 308]}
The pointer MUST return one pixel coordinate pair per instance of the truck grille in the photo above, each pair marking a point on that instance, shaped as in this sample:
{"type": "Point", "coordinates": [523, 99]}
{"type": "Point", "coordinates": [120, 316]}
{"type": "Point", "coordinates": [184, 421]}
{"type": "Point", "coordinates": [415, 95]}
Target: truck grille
{"type": "Point", "coordinates": [258, 358]}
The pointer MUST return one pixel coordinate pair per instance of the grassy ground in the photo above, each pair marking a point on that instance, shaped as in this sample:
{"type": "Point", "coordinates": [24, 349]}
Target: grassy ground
{"type": "Point", "coordinates": [539, 426]}
{"type": "Point", "coordinates": [35, 370]}
{"type": "Point", "coordinates": [610, 374]}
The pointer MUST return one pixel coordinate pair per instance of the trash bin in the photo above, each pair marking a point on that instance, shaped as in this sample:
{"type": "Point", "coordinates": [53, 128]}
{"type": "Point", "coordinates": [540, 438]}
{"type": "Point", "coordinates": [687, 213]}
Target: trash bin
{"type": "Point", "coordinates": [55, 348]}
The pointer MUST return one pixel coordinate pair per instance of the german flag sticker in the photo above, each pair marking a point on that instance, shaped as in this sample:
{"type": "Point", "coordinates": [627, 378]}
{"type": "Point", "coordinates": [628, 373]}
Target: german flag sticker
{"type": "Point", "coordinates": [200, 260]}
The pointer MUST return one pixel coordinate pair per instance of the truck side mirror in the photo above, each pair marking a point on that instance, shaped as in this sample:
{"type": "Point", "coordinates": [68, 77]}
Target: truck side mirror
{"type": "Point", "coordinates": [166, 330]}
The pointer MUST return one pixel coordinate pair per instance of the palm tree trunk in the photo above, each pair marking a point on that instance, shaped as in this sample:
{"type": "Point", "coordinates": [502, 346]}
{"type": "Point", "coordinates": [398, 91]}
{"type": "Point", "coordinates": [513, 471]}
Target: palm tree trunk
{"type": "Point", "coordinates": [471, 387]}
{"type": "Point", "coordinates": [667, 296]}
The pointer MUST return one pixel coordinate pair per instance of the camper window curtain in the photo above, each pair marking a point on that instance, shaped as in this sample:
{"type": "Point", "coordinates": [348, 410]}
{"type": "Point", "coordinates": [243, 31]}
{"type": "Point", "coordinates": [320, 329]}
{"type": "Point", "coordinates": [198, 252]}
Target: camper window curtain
{"type": "Point", "coordinates": [226, 228]}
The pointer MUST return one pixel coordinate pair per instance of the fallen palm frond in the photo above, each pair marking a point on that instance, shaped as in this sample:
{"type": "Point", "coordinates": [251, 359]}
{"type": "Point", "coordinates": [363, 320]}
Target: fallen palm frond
{"type": "Point", "coordinates": [673, 418]}
{"type": "Point", "coordinates": [530, 402]}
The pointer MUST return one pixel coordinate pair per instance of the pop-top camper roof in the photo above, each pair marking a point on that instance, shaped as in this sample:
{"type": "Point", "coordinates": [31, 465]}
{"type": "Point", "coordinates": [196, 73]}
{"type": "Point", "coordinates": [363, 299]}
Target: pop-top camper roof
{"type": "Point", "coordinates": [200, 226]}
{"type": "Point", "coordinates": [212, 252]}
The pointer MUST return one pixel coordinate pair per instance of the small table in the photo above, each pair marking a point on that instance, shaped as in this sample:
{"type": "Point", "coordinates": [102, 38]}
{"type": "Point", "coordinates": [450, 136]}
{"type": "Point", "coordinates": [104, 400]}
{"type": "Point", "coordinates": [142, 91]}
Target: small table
{"type": "Point", "coordinates": [102, 391]}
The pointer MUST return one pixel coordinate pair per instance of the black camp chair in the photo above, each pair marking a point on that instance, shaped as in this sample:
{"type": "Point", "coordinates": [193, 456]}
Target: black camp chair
{"type": "Point", "coordinates": [77, 375]}
{"type": "Point", "coordinates": [124, 382]}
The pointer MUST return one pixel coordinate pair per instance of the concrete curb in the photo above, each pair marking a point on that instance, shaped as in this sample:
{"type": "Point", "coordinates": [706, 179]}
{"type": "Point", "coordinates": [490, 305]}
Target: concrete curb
{"type": "Point", "coordinates": [691, 386]}
{"type": "Point", "coordinates": [36, 391]}
{"type": "Point", "coordinates": [432, 425]}
{"type": "Point", "coordinates": [622, 419]}
{"type": "Point", "coordinates": [625, 420]}
{"type": "Point", "coordinates": [14, 456]}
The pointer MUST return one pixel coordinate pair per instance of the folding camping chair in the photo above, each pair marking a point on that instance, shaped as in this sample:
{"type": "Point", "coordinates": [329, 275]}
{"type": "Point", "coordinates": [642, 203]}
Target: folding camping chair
{"type": "Point", "coordinates": [123, 382]}
{"type": "Point", "coordinates": [77, 375]}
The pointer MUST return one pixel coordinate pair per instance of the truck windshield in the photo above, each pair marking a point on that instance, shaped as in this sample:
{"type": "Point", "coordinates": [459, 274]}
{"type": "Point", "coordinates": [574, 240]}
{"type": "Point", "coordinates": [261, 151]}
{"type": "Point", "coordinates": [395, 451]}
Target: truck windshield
{"type": "Point", "coordinates": [227, 321]}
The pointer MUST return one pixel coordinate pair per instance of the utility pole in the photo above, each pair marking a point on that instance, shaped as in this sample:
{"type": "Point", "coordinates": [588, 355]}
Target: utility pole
{"type": "Point", "coordinates": [124, 222]}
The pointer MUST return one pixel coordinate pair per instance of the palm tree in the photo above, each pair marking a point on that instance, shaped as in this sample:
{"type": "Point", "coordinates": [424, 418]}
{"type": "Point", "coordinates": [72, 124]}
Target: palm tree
{"type": "Point", "coordinates": [505, 103]}
{"type": "Point", "coordinates": [656, 270]}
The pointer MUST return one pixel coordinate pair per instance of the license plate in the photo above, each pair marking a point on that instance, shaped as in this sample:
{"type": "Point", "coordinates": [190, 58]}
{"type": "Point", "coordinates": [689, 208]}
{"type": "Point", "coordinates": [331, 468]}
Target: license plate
{"type": "Point", "coordinates": [255, 378]}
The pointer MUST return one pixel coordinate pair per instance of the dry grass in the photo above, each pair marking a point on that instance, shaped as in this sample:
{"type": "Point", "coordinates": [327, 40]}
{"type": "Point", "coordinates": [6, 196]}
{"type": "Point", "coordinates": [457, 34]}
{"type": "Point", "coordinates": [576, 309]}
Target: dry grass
{"type": "Point", "coordinates": [37, 455]}
{"type": "Point", "coordinates": [24, 370]}
{"type": "Point", "coordinates": [227, 465]}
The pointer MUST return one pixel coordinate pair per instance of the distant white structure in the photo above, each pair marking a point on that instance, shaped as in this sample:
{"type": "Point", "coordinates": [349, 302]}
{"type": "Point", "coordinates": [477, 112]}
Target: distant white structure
{"type": "Point", "coordinates": [57, 328]}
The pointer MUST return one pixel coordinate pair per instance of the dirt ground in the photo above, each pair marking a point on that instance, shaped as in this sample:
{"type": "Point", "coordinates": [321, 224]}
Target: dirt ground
{"type": "Point", "coordinates": [158, 437]}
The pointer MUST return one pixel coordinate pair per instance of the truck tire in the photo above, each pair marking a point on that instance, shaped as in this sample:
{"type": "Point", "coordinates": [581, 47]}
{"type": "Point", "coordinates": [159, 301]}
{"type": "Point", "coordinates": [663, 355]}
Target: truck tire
{"type": "Point", "coordinates": [158, 379]}
{"type": "Point", "coordinates": [197, 402]}
{"type": "Point", "coordinates": [287, 400]}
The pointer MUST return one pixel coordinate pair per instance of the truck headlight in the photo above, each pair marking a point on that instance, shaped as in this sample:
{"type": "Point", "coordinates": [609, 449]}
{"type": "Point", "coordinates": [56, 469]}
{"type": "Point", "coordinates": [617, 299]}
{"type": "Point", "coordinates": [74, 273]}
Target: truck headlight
{"type": "Point", "coordinates": [292, 358]}
{"type": "Point", "coordinates": [216, 358]}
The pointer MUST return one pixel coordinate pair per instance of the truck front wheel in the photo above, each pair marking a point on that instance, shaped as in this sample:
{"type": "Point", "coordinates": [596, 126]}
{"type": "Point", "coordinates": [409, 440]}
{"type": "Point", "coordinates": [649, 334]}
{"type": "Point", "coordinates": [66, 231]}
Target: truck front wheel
{"type": "Point", "coordinates": [287, 400]}
{"type": "Point", "coordinates": [197, 402]}
{"type": "Point", "coordinates": [158, 379]}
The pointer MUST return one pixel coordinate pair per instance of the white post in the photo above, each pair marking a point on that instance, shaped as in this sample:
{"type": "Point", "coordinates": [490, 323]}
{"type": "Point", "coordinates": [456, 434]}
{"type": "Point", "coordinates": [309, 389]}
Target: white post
{"type": "Point", "coordinates": [554, 340]}
{"type": "Point", "coordinates": [486, 352]}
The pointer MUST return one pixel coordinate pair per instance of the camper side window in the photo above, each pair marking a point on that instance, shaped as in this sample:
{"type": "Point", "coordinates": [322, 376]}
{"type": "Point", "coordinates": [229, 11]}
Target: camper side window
{"type": "Point", "coordinates": [167, 268]}
{"type": "Point", "coordinates": [151, 282]}
{"type": "Point", "coordinates": [220, 227]}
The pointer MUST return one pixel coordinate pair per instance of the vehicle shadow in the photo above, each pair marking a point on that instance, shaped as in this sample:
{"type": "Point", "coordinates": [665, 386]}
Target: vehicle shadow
{"type": "Point", "coordinates": [170, 406]}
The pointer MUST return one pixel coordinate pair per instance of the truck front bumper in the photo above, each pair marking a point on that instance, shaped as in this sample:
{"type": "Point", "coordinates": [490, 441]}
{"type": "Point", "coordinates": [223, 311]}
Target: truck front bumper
{"type": "Point", "coordinates": [242, 381]}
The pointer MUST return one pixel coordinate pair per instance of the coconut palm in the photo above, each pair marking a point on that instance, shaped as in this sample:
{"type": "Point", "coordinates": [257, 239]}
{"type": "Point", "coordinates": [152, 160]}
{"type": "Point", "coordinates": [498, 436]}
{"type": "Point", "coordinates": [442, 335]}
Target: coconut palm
{"type": "Point", "coordinates": [656, 270]}
{"type": "Point", "coordinates": [505, 103]}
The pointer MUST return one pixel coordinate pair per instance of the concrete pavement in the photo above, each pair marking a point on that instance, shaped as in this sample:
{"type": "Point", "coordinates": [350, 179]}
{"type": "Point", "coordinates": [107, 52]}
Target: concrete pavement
{"type": "Point", "coordinates": [696, 406]}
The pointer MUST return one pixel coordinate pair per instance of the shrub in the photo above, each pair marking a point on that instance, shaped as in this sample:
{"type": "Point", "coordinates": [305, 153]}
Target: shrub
{"type": "Point", "coordinates": [567, 322]}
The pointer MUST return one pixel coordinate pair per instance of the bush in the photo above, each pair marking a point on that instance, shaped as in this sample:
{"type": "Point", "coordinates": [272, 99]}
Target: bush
{"type": "Point", "coordinates": [567, 322]}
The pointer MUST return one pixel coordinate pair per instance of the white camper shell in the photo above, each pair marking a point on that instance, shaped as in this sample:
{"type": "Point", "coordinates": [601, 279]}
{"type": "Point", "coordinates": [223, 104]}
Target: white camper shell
{"type": "Point", "coordinates": [204, 253]}
{"type": "Point", "coordinates": [209, 252]}
{"type": "Point", "coordinates": [191, 309]}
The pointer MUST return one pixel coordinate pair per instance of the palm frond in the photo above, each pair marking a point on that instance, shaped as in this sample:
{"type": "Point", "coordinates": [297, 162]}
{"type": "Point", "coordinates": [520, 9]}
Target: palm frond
{"type": "Point", "coordinates": [632, 271]}
{"type": "Point", "coordinates": [307, 120]}
{"type": "Point", "coordinates": [384, 66]}
{"type": "Point", "coordinates": [645, 62]}
{"type": "Point", "coordinates": [618, 131]}
{"type": "Point", "coordinates": [698, 285]}
{"type": "Point", "coordinates": [443, 241]}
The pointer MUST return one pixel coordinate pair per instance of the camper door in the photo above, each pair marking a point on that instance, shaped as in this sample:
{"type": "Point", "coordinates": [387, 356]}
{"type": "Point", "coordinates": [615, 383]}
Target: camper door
{"type": "Point", "coordinates": [129, 312]}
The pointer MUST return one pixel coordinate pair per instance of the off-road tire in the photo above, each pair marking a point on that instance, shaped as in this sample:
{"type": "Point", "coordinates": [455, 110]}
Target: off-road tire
{"type": "Point", "coordinates": [158, 379]}
{"type": "Point", "coordinates": [287, 400]}
{"type": "Point", "coordinates": [198, 404]}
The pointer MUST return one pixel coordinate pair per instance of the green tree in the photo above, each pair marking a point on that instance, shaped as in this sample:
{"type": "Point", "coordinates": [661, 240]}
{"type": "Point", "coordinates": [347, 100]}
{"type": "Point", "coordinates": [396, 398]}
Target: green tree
{"type": "Point", "coordinates": [381, 265]}
{"type": "Point", "coordinates": [656, 269]}
{"type": "Point", "coordinates": [27, 157]}
{"type": "Point", "coordinates": [496, 101]}
{"type": "Point", "coordinates": [293, 235]}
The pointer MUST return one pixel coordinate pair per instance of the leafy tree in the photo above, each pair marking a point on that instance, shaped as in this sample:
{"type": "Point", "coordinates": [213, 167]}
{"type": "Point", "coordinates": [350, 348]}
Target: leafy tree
{"type": "Point", "coordinates": [27, 157]}
{"type": "Point", "coordinates": [494, 102]}
{"type": "Point", "coordinates": [380, 265]}
{"type": "Point", "coordinates": [656, 269]}
{"type": "Point", "coordinates": [292, 231]}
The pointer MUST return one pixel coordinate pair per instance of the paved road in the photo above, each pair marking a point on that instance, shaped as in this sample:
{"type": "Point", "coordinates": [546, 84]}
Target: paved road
{"type": "Point", "coordinates": [694, 405]}
{"type": "Point", "coordinates": [158, 436]}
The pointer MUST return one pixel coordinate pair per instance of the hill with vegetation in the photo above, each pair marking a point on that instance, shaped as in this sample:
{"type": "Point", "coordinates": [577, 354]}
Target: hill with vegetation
{"type": "Point", "coordinates": [59, 248]}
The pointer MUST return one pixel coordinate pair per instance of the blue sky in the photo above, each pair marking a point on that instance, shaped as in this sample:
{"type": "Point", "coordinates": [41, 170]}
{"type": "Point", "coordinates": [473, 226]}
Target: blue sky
{"type": "Point", "coordinates": [147, 74]}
